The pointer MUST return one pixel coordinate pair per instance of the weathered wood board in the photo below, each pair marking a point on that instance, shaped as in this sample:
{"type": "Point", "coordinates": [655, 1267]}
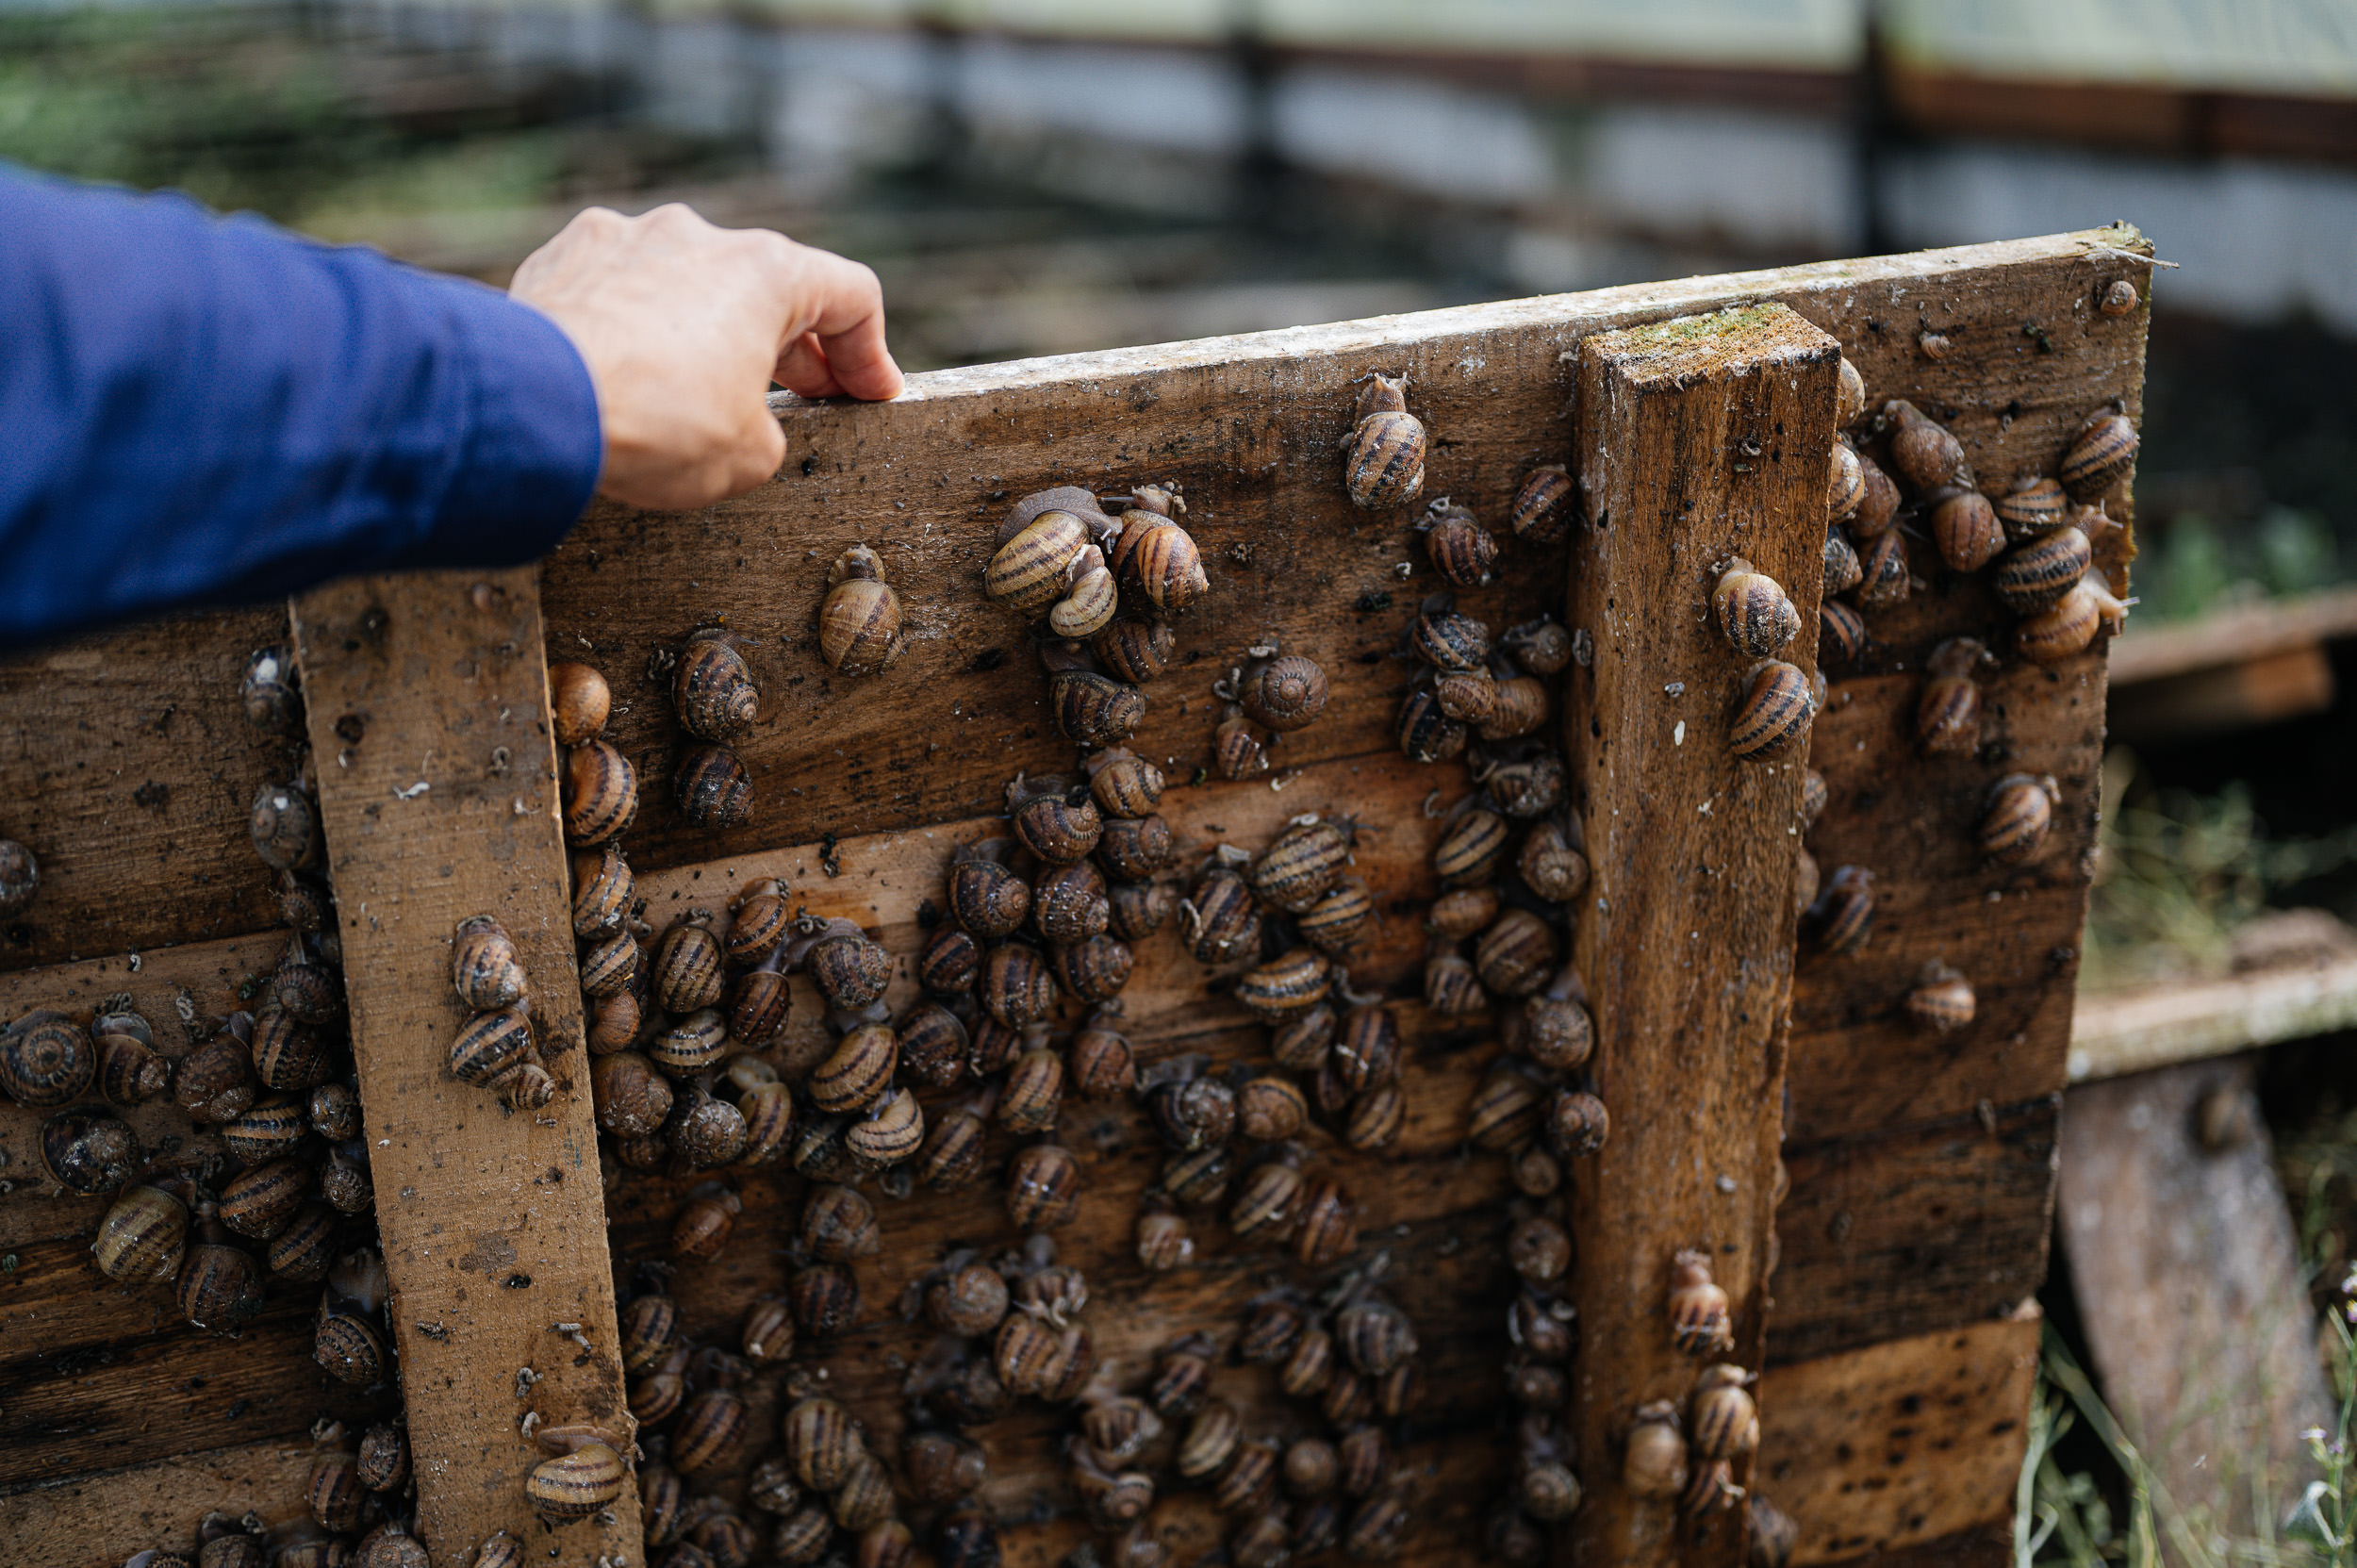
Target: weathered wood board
{"type": "Point", "coordinates": [1961, 1130]}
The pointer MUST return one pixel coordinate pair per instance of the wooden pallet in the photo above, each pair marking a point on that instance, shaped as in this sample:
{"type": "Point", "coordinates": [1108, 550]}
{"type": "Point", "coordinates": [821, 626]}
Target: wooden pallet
{"type": "Point", "coordinates": [1887, 1301]}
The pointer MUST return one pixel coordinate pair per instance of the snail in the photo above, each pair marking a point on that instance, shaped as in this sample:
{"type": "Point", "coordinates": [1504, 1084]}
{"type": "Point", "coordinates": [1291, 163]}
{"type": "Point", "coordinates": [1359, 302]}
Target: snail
{"type": "Point", "coordinates": [579, 704]}
{"type": "Point", "coordinates": [1842, 917]}
{"type": "Point", "coordinates": [1577, 1124]}
{"type": "Point", "coordinates": [712, 686]}
{"type": "Point", "coordinates": [1849, 398]}
{"type": "Point", "coordinates": [284, 826]}
{"type": "Point", "coordinates": [602, 892]}
{"type": "Point", "coordinates": [1776, 712]}
{"type": "Point", "coordinates": [1942, 999]}
{"type": "Point", "coordinates": [1965, 529]}
{"type": "Point", "coordinates": [1426, 733]}
{"type": "Point", "coordinates": [1043, 1187]}
{"type": "Point", "coordinates": [1163, 1239]}
{"type": "Point", "coordinates": [1460, 550]}
{"type": "Point", "coordinates": [1878, 510]}
{"type": "Point", "coordinates": [712, 789]}
{"type": "Point", "coordinates": [1549, 860]}
{"type": "Point", "coordinates": [46, 1060]}
{"type": "Point", "coordinates": [601, 795]}
{"type": "Point", "coordinates": [1135, 650]}
{"type": "Point", "coordinates": [1329, 1225]}
{"type": "Point", "coordinates": [1278, 691]}
{"type": "Point", "coordinates": [1842, 570]}
{"type": "Point", "coordinates": [1753, 610]}
{"type": "Point", "coordinates": [1556, 1031]}
{"type": "Point", "coordinates": [271, 691]}
{"type": "Point", "coordinates": [1303, 862]}
{"type": "Point", "coordinates": [2038, 573]}
{"type": "Point", "coordinates": [1217, 920]}
{"type": "Point", "coordinates": [1451, 986]}
{"type": "Point", "coordinates": [1928, 457]}
{"type": "Point", "coordinates": [1089, 709]}
{"type": "Point", "coordinates": [2119, 298]}
{"type": "Point", "coordinates": [2071, 623]}
{"type": "Point", "coordinates": [1541, 647]}
{"type": "Point", "coordinates": [858, 620]}
{"type": "Point", "coordinates": [1297, 980]}
{"type": "Point", "coordinates": [1333, 922]}
{"type": "Point", "coordinates": [144, 1235]}
{"type": "Point", "coordinates": [1123, 783]}
{"type": "Point", "coordinates": [1845, 484]}
{"type": "Point", "coordinates": [484, 969]}
{"type": "Point", "coordinates": [2099, 457]}
{"type": "Point", "coordinates": [1524, 781]}
{"type": "Point", "coordinates": [1948, 712]}
{"type": "Point", "coordinates": [1384, 454]}
{"type": "Point", "coordinates": [1933, 346]}
{"type": "Point", "coordinates": [1447, 640]}
{"type": "Point", "coordinates": [1516, 956]}
{"type": "Point", "coordinates": [2035, 505]}
{"type": "Point", "coordinates": [1841, 631]}
{"type": "Point", "coordinates": [1542, 509]}
{"type": "Point", "coordinates": [2020, 808]}
{"type": "Point", "coordinates": [1884, 574]}
{"type": "Point", "coordinates": [585, 1475]}
{"type": "Point", "coordinates": [1697, 1307]}
{"type": "Point", "coordinates": [1154, 556]}
{"type": "Point", "coordinates": [89, 1150]}
{"type": "Point", "coordinates": [221, 1284]}
{"type": "Point", "coordinates": [701, 1228]}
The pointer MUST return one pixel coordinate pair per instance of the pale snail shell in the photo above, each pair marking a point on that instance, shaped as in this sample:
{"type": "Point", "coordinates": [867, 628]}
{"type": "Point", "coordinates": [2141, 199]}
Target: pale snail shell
{"type": "Point", "coordinates": [714, 686]}
{"type": "Point", "coordinates": [858, 620]}
{"type": "Point", "coordinates": [1383, 455]}
{"type": "Point", "coordinates": [1754, 610]}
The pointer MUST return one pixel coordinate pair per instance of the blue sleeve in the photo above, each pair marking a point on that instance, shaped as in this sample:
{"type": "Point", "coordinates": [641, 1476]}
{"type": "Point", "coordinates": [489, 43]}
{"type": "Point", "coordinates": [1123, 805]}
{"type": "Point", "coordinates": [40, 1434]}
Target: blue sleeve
{"type": "Point", "coordinates": [200, 411]}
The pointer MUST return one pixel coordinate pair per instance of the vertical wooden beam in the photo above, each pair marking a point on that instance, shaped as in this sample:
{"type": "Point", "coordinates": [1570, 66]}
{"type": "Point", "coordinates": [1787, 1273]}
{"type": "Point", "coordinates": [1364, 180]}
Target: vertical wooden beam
{"type": "Point", "coordinates": [428, 702]}
{"type": "Point", "coordinates": [1699, 439]}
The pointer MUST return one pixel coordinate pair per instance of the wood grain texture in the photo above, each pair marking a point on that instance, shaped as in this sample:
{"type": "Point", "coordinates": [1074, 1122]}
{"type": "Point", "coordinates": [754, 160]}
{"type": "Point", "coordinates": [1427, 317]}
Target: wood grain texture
{"type": "Point", "coordinates": [1886, 1236]}
{"type": "Point", "coordinates": [2189, 1282]}
{"type": "Point", "coordinates": [1904, 1451]}
{"type": "Point", "coordinates": [1700, 438]}
{"type": "Point", "coordinates": [129, 769]}
{"type": "Point", "coordinates": [99, 1518]}
{"type": "Point", "coordinates": [428, 701]}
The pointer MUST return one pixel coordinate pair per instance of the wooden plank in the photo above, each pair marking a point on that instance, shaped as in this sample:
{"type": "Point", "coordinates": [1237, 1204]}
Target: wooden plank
{"type": "Point", "coordinates": [100, 1518]}
{"type": "Point", "coordinates": [428, 702]}
{"type": "Point", "coordinates": [130, 772]}
{"type": "Point", "coordinates": [2191, 1287]}
{"type": "Point", "coordinates": [2168, 121]}
{"type": "Point", "coordinates": [2131, 1031]}
{"type": "Point", "coordinates": [1905, 1451]}
{"type": "Point", "coordinates": [1889, 1235]}
{"type": "Point", "coordinates": [2274, 626]}
{"type": "Point", "coordinates": [2262, 690]}
{"type": "Point", "coordinates": [1699, 439]}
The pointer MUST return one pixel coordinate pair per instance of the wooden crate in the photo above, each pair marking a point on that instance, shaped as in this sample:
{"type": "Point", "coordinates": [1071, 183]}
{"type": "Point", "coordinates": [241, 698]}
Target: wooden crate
{"type": "Point", "coordinates": [1890, 1304]}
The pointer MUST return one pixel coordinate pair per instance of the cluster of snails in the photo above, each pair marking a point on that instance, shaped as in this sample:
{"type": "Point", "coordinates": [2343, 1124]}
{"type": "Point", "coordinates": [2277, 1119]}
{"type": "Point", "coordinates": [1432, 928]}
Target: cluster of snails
{"type": "Point", "coordinates": [494, 1048]}
{"type": "Point", "coordinates": [718, 702]}
{"type": "Point", "coordinates": [377, 1475]}
{"type": "Point", "coordinates": [1720, 1424]}
{"type": "Point", "coordinates": [1470, 684]}
{"type": "Point", "coordinates": [1547, 1488]}
{"type": "Point", "coordinates": [1273, 693]}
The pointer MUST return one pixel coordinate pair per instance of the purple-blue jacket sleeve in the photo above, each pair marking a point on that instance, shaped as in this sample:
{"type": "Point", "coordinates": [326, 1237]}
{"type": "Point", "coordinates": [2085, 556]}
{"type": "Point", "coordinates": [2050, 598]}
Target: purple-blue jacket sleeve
{"type": "Point", "coordinates": [201, 411]}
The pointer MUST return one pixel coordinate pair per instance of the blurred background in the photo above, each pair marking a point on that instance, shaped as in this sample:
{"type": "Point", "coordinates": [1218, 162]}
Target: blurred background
{"type": "Point", "coordinates": [1038, 177]}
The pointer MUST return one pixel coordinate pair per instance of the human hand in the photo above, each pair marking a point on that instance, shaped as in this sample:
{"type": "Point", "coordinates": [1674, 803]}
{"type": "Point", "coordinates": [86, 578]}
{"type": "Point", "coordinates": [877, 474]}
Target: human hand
{"type": "Point", "coordinates": [684, 325]}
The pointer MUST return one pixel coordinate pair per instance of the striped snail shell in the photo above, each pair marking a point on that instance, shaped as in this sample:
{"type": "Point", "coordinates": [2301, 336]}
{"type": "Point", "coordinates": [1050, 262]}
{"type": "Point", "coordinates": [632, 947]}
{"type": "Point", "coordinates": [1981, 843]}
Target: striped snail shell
{"type": "Point", "coordinates": [1334, 922]}
{"type": "Point", "coordinates": [703, 1130]}
{"type": "Point", "coordinates": [2041, 571]}
{"type": "Point", "coordinates": [600, 794]}
{"type": "Point", "coordinates": [701, 1228]}
{"type": "Point", "coordinates": [1541, 512]}
{"type": "Point", "coordinates": [864, 1501]}
{"type": "Point", "coordinates": [1296, 869]}
{"type": "Point", "coordinates": [1124, 784]}
{"type": "Point", "coordinates": [1842, 917]}
{"type": "Point", "coordinates": [1425, 732]}
{"type": "Point", "coordinates": [1375, 1335]}
{"type": "Point", "coordinates": [1060, 831]}
{"type": "Point", "coordinates": [1032, 568]}
{"type": "Point", "coordinates": [1210, 1441]}
{"type": "Point", "coordinates": [950, 962]}
{"type": "Point", "coordinates": [1384, 454]}
{"type": "Point", "coordinates": [1965, 527]}
{"type": "Point", "coordinates": [384, 1458]}
{"type": "Point", "coordinates": [758, 1007]}
{"type": "Point", "coordinates": [1217, 919]}
{"type": "Point", "coordinates": [1285, 693]}
{"type": "Point", "coordinates": [1947, 713]}
{"type": "Point", "coordinates": [650, 1330]}
{"type": "Point", "coordinates": [2100, 455]}
{"type": "Point", "coordinates": [1524, 784]}
{"type": "Point", "coordinates": [1156, 557]}
{"type": "Point", "coordinates": [305, 986]}
{"type": "Point", "coordinates": [767, 1109]}
{"type": "Point", "coordinates": [1094, 970]}
{"type": "Point", "coordinates": [344, 1180]}
{"type": "Point", "coordinates": [1449, 641]}
{"type": "Point", "coordinates": [985, 895]}
{"type": "Point", "coordinates": [1376, 1118]}
{"type": "Point", "coordinates": [1842, 571]}
{"type": "Point", "coordinates": [1102, 1063]}
{"type": "Point", "coordinates": [214, 1083]}
{"type": "Point", "coordinates": [1845, 484]}
{"type": "Point", "coordinates": [850, 969]}
{"type": "Point", "coordinates": [575, 1485]}
{"type": "Point", "coordinates": [1139, 909]}
{"type": "Point", "coordinates": [1043, 1187]}
{"type": "Point", "coordinates": [1017, 986]}
{"type": "Point", "coordinates": [608, 966]}
{"type": "Point", "coordinates": [603, 891]}
{"type": "Point", "coordinates": [89, 1150]}
{"type": "Point", "coordinates": [1366, 1053]}
{"type": "Point", "coordinates": [267, 1130]}
{"type": "Point", "coordinates": [1296, 981]}
{"type": "Point", "coordinates": [1451, 986]}
{"type": "Point", "coordinates": [1034, 1091]}
{"type": "Point", "coordinates": [2020, 808]}
{"type": "Point", "coordinates": [1697, 1307]}
{"type": "Point", "coordinates": [578, 702]}
{"type": "Point", "coordinates": [1094, 710]}
{"type": "Point", "coordinates": [2069, 624]}
{"type": "Point", "coordinates": [2035, 505]}
{"type": "Point", "coordinates": [261, 1201]}
{"type": "Point", "coordinates": [714, 686]}
{"type": "Point", "coordinates": [712, 788]}
{"type": "Point", "coordinates": [1549, 860]}
{"type": "Point", "coordinates": [1135, 650]}
{"type": "Point", "coordinates": [1515, 956]}
{"type": "Point", "coordinates": [1754, 610]}
{"type": "Point", "coordinates": [1461, 551]}
{"type": "Point", "coordinates": [1726, 1419]}
{"type": "Point", "coordinates": [856, 1071]}
{"type": "Point", "coordinates": [1471, 848]}
{"type": "Point", "coordinates": [1885, 576]}
{"type": "Point", "coordinates": [1942, 999]}
{"type": "Point", "coordinates": [1328, 1227]}
{"type": "Point", "coordinates": [305, 1249]}
{"type": "Point", "coordinates": [334, 1493]}
{"type": "Point", "coordinates": [492, 1045]}
{"type": "Point", "coordinates": [285, 827]}
{"type": "Point", "coordinates": [1271, 1110]}
{"type": "Point", "coordinates": [1237, 747]}
{"type": "Point", "coordinates": [1840, 633]}
{"type": "Point", "coordinates": [858, 620]}
{"type": "Point", "coordinates": [1518, 706]}
{"type": "Point", "coordinates": [1248, 1486]}
{"type": "Point", "coordinates": [1192, 1113]}
{"type": "Point", "coordinates": [759, 921]}
{"type": "Point", "coordinates": [1090, 606]}
{"type": "Point", "coordinates": [687, 968]}
{"type": "Point", "coordinates": [271, 691]}
{"type": "Point", "coordinates": [484, 969]}
{"type": "Point", "coordinates": [710, 1432]}
{"type": "Point", "coordinates": [142, 1236]}
{"type": "Point", "coordinates": [46, 1060]}
{"type": "Point", "coordinates": [1461, 912]}
{"type": "Point", "coordinates": [1879, 509]}
{"type": "Point", "coordinates": [221, 1284]}
{"type": "Point", "coordinates": [802, 1536]}
{"type": "Point", "coordinates": [1849, 397]}
{"type": "Point", "coordinates": [350, 1348]}
{"type": "Point", "coordinates": [1467, 696]}
{"type": "Point", "coordinates": [130, 1071]}
{"type": "Point", "coordinates": [1926, 455]}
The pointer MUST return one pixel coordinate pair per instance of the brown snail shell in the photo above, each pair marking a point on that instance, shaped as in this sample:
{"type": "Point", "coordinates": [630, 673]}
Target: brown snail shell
{"type": "Point", "coordinates": [858, 620]}
{"type": "Point", "coordinates": [602, 892]}
{"type": "Point", "coordinates": [1218, 921]}
{"type": "Point", "coordinates": [1845, 484]}
{"type": "Point", "coordinates": [632, 1097]}
{"type": "Point", "coordinates": [285, 827]}
{"type": "Point", "coordinates": [1450, 642]}
{"type": "Point", "coordinates": [1948, 712]}
{"type": "Point", "coordinates": [1471, 849]}
{"type": "Point", "coordinates": [2069, 624]}
{"type": "Point", "coordinates": [1463, 911]}
{"type": "Point", "coordinates": [489, 1045]}
{"type": "Point", "coordinates": [1462, 552]}
{"type": "Point", "coordinates": [701, 1228]}
{"type": "Point", "coordinates": [1134, 848]}
{"type": "Point", "coordinates": [1519, 706]}
{"type": "Point", "coordinates": [1578, 1124]}
{"type": "Point", "coordinates": [2020, 808]}
{"type": "Point", "coordinates": [1885, 576]}
{"type": "Point", "coordinates": [1124, 784]}
{"type": "Point", "coordinates": [1516, 956]}
{"type": "Point", "coordinates": [950, 962]}
{"type": "Point", "coordinates": [1033, 1091]}
{"type": "Point", "coordinates": [2099, 456]}
{"type": "Point", "coordinates": [825, 1298]}
{"type": "Point", "coordinates": [608, 966]}
{"type": "Point", "coordinates": [856, 1071]}
{"type": "Point", "coordinates": [578, 702]}
{"type": "Point", "coordinates": [1965, 527]}
{"type": "Point", "coordinates": [1017, 984]}
{"type": "Point", "coordinates": [287, 1053]}
{"type": "Point", "coordinates": [1043, 1187]}
{"type": "Point", "coordinates": [1135, 650]}
{"type": "Point", "coordinates": [1328, 1227]}
{"type": "Point", "coordinates": [601, 795]}
{"type": "Point", "coordinates": [710, 1432]}
{"type": "Point", "coordinates": [1451, 986]}
{"type": "Point", "coordinates": [1654, 1464]}
{"type": "Point", "coordinates": [1542, 510]}
{"type": "Point", "coordinates": [334, 1493]}
{"type": "Point", "coordinates": [712, 789]}
{"type": "Point", "coordinates": [144, 1235]}
{"type": "Point", "coordinates": [1549, 864]}
{"type": "Point", "coordinates": [1092, 710]}
{"type": "Point", "coordinates": [2036, 574]}
{"type": "Point", "coordinates": [1383, 455]}
{"type": "Point", "coordinates": [714, 688]}
{"type": "Point", "coordinates": [2119, 298]}
{"type": "Point", "coordinates": [221, 1284]}
{"type": "Point", "coordinates": [1425, 732]}
{"type": "Point", "coordinates": [214, 1083]}
{"type": "Point", "coordinates": [1068, 904]}
{"type": "Point", "coordinates": [350, 1349]}
{"type": "Point", "coordinates": [1333, 923]}
{"type": "Point", "coordinates": [1306, 860]}
{"type": "Point", "coordinates": [1466, 696]}
{"type": "Point", "coordinates": [1774, 714]}
{"type": "Point", "coordinates": [1926, 455]}
{"type": "Point", "coordinates": [934, 1043]}
{"type": "Point", "coordinates": [1139, 909]}
{"type": "Point", "coordinates": [384, 1458]}
{"type": "Point", "coordinates": [484, 969]}
{"type": "Point", "coordinates": [1237, 747]}
{"type": "Point", "coordinates": [1942, 999]}
{"type": "Point", "coordinates": [1849, 398]}
{"type": "Point", "coordinates": [1192, 1113]}
{"type": "Point", "coordinates": [305, 1249]}
{"type": "Point", "coordinates": [46, 1060]}
{"type": "Point", "coordinates": [259, 1202]}
{"type": "Point", "coordinates": [1094, 970]}
{"type": "Point", "coordinates": [1697, 1308]}
{"type": "Point", "coordinates": [1842, 917]}
{"type": "Point", "coordinates": [1842, 571]}
{"type": "Point", "coordinates": [687, 968]}
{"type": "Point", "coordinates": [850, 969]}
{"type": "Point", "coordinates": [270, 1128]}
{"type": "Point", "coordinates": [1032, 569]}
{"type": "Point", "coordinates": [1160, 560]}
{"type": "Point", "coordinates": [987, 898]}
{"type": "Point", "coordinates": [1287, 984]}
{"type": "Point", "coordinates": [130, 1072]}
{"type": "Point", "coordinates": [2035, 505]}
{"type": "Point", "coordinates": [1285, 694]}
{"type": "Point", "coordinates": [576, 1485]}
{"type": "Point", "coordinates": [1840, 633]}
{"type": "Point", "coordinates": [271, 691]}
